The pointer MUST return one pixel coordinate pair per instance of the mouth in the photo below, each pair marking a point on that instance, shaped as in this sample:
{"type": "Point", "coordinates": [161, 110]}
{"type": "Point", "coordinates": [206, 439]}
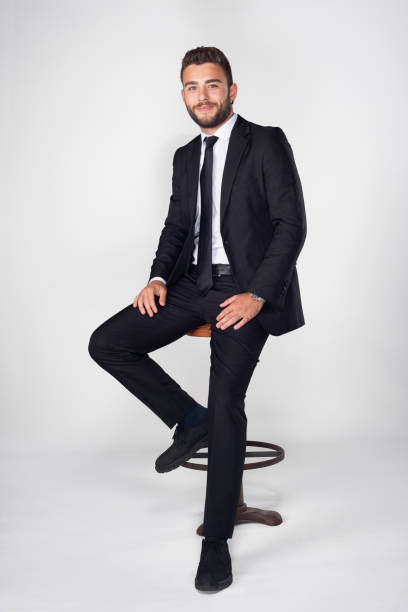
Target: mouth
{"type": "Point", "coordinates": [205, 107]}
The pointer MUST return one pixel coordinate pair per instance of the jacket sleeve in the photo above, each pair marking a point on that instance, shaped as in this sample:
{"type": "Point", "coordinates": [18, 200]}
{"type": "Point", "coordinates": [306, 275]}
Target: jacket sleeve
{"type": "Point", "coordinates": [173, 234]}
{"type": "Point", "coordinates": [287, 213]}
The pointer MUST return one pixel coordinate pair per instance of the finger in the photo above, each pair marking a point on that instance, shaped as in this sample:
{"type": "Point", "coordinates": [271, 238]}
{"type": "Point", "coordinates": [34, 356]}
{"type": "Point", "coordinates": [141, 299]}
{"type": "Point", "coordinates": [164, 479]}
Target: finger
{"type": "Point", "coordinates": [241, 323]}
{"type": "Point", "coordinates": [135, 301]}
{"type": "Point", "coordinates": [148, 307]}
{"type": "Point", "coordinates": [152, 303]}
{"type": "Point", "coordinates": [228, 300]}
{"type": "Point", "coordinates": [224, 313]}
{"type": "Point", "coordinates": [162, 299]}
{"type": "Point", "coordinates": [229, 314]}
{"type": "Point", "coordinates": [229, 321]}
{"type": "Point", "coordinates": [141, 306]}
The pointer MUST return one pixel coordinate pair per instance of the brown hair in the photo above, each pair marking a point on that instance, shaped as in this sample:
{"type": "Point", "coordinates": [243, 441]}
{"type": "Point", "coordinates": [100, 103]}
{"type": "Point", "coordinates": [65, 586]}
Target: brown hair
{"type": "Point", "coordinates": [200, 55]}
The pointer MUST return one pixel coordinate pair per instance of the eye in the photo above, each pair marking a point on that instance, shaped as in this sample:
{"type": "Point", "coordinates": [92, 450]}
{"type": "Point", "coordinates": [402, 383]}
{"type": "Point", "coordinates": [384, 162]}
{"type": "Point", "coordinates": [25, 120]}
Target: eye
{"type": "Point", "coordinates": [191, 87]}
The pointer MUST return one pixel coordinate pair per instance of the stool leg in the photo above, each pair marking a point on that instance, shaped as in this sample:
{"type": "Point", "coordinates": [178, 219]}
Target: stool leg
{"type": "Point", "coordinates": [247, 514]}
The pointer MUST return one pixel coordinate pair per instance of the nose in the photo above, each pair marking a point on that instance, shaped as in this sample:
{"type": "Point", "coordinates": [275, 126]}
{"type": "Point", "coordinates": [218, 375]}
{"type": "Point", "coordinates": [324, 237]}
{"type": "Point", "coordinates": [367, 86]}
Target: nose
{"type": "Point", "coordinates": [202, 94]}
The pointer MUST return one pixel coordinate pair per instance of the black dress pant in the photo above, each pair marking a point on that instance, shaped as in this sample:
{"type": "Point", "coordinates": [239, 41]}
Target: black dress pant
{"type": "Point", "coordinates": [121, 345]}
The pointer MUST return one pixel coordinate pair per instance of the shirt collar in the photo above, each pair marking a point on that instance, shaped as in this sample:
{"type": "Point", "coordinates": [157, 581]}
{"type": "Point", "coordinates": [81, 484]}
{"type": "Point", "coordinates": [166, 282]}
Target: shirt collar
{"type": "Point", "coordinates": [224, 131]}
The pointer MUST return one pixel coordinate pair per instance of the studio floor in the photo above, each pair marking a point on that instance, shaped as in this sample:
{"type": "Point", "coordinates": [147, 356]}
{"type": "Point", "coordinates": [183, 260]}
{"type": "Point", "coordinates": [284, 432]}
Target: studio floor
{"type": "Point", "coordinates": [100, 531]}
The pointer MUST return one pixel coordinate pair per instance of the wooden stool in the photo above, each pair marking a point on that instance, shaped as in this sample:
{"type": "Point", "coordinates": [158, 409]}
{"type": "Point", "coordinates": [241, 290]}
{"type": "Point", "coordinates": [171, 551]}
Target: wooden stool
{"type": "Point", "coordinates": [245, 514]}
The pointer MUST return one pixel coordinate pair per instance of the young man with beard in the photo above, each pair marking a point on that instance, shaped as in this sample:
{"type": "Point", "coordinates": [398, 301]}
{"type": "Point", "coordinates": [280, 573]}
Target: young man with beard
{"type": "Point", "coordinates": [226, 256]}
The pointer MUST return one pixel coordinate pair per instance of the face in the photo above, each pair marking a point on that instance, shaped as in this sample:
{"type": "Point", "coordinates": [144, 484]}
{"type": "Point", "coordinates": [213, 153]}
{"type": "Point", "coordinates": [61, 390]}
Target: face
{"type": "Point", "coordinates": [206, 94]}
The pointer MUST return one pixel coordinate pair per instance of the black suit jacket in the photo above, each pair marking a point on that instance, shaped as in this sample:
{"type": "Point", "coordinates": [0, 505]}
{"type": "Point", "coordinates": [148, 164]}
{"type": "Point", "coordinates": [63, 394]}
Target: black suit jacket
{"type": "Point", "coordinates": [263, 220]}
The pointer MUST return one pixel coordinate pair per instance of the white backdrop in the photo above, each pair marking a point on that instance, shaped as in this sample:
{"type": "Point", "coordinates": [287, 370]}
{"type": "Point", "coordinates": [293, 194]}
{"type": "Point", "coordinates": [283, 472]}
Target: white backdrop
{"type": "Point", "coordinates": [91, 114]}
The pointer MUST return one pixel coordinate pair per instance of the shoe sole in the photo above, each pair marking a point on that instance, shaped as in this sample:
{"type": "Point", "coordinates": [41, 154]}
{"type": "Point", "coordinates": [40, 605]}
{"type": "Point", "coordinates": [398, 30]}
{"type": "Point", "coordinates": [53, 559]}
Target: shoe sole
{"type": "Point", "coordinates": [222, 584]}
{"type": "Point", "coordinates": [175, 464]}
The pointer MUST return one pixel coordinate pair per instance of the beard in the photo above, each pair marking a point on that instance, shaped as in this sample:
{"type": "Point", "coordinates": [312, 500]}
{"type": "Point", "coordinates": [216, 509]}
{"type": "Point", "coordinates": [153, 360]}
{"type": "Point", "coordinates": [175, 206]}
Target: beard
{"type": "Point", "coordinates": [210, 121]}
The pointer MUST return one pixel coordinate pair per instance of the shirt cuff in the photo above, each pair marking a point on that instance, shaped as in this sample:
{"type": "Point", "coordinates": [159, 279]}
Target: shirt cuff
{"type": "Point", "coordinates": [157, 278]}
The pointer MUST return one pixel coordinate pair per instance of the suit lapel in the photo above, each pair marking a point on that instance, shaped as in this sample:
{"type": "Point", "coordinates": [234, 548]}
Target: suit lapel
{"type": "Point", "coordinates": [193, 169]}
{"type": "Point", "coordinates": [238, 141]}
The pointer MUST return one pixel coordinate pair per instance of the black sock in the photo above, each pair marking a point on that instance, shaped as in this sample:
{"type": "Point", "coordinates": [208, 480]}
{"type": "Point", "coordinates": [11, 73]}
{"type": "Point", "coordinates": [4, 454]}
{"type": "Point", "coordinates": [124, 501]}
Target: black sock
{"type": "Point", "coordinates": [197, 415]}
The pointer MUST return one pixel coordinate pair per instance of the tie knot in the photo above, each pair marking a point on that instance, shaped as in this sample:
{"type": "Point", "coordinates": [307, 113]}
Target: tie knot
{"type": "Point", "coordinates": [210, 141]}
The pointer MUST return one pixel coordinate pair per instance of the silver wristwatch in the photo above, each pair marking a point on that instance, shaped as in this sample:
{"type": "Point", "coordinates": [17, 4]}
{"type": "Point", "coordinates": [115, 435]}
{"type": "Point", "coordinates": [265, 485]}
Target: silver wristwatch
{"type": "Point", "coordinates": [256, 297]}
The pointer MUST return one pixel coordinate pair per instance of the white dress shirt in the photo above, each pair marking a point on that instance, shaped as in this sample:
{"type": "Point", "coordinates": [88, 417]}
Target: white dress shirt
{"type": "Point", "coordinates": [219, 154]}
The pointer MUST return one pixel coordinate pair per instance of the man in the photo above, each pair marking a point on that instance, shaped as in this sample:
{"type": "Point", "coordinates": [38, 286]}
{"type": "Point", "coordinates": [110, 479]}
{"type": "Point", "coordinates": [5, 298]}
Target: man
{"type": "Point", "coordinates": [226, 256]}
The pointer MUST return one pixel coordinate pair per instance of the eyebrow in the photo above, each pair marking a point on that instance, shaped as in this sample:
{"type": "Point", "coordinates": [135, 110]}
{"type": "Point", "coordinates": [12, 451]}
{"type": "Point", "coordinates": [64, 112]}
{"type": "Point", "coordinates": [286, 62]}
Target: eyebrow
{"type": "Point", "coordinates": [207, 81]}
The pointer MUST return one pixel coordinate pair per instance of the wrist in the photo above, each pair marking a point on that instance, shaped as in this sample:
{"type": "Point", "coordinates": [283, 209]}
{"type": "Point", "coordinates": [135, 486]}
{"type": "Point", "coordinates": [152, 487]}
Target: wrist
{"type": "Point", "coordinates": [257, 297]}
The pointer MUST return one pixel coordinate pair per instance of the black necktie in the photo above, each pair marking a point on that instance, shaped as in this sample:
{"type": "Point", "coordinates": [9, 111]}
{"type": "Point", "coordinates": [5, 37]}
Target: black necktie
{"type": "Point", "coordinates": [204, 270]}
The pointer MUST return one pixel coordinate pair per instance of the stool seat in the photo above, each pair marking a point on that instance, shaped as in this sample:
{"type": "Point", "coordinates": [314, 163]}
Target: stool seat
{"type": "Point", "coordinates": [202, 331]}
{"type": "Point", "coordinates": [244, 514]}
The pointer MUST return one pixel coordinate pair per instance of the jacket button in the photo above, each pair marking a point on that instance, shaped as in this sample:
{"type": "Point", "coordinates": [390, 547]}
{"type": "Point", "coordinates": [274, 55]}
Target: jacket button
{"type": "Point", "coordinates": [226, 242]}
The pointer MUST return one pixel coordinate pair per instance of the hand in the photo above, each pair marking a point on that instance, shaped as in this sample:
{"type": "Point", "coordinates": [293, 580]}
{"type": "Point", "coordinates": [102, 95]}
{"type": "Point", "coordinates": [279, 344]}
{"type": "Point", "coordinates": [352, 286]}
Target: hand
{"type": "Point", "coordinates": [240, 306]}
{"type": "Point", "coordinates": [145, 299]}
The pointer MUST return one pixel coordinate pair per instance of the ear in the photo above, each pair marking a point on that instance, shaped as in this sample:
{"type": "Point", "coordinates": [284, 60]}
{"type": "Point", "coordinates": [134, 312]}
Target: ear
{"type": "Point", "coordinates": [233, 92]}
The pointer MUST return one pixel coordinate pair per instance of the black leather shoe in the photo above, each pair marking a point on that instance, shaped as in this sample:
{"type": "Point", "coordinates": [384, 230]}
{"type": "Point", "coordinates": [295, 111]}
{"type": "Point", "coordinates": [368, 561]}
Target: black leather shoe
{"type": "Point", "coordinates": [214, 570]}
{"type": "Point", "coordinates": [187, 440]}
